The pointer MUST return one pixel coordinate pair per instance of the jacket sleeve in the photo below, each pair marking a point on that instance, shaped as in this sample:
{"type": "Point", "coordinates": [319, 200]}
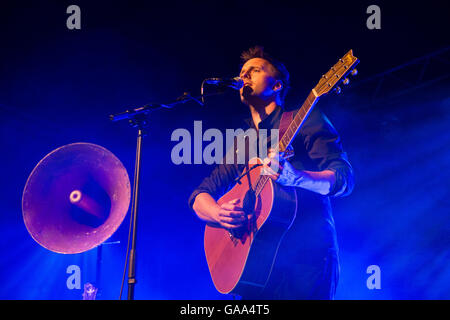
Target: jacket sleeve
{"type": "Point", "coordinates": [217, 183]}
{"type": "Point", "coordinates": [324, 148]}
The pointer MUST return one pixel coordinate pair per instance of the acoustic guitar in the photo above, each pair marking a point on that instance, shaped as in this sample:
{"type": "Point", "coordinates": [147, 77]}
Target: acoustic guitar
{"type": "Point", "coordinates": [240, 261]}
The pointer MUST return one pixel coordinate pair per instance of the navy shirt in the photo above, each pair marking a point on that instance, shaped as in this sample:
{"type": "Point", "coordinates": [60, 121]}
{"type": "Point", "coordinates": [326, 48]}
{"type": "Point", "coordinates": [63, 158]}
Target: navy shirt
{"type": "Point", "coordinates": [317, 147]}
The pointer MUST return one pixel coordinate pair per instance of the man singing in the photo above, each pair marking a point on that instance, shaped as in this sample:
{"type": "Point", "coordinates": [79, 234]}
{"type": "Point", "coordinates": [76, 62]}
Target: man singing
{"type": "Point", "coordinates": [307, 265]}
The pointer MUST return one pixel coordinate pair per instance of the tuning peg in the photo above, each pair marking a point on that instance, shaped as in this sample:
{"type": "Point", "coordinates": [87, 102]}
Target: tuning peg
{"type": "Point", "coordinates": [354, 72]}
{"type": "Point", "coordinates": [337, 90]}
{"type": "Point", "coordinates": [346, 81]}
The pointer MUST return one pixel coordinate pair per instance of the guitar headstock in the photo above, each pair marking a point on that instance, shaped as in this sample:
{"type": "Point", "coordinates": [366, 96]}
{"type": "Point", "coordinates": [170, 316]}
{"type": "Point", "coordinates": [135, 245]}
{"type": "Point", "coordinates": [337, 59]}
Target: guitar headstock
{"type": "Point", "coordinates": [345, 65]}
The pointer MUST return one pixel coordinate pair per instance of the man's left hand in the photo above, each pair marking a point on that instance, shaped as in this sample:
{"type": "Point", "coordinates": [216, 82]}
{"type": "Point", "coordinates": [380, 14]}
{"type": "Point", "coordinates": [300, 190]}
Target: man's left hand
{"type": "Point", "coordinates": [280, 170]}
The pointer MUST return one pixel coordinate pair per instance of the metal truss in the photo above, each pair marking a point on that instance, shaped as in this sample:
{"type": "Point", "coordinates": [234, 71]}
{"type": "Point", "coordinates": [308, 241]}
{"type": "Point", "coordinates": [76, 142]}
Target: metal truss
{"type": "Point", "coordinates": [405, 78]}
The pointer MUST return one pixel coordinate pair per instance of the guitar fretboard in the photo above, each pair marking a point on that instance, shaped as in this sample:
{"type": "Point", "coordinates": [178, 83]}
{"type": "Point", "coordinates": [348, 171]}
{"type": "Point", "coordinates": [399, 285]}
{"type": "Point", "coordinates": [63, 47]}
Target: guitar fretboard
{"type": "Point", "coordinates": [290, 133]}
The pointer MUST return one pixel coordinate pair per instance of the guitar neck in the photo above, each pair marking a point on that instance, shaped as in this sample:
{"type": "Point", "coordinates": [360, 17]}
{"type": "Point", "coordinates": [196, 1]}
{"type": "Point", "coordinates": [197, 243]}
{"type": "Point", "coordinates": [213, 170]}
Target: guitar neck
{"type": "Point", "coordinates": [298, 121]}
{"type": "Point", "coordinates": [291, 132]}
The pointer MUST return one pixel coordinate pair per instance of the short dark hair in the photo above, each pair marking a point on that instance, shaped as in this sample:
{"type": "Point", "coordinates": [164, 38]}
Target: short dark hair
{"type": "Point", "coordinates": [282, 73]}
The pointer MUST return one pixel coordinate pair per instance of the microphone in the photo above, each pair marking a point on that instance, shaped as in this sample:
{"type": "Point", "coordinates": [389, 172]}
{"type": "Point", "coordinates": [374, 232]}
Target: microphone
{"type": "Point", "coordinates": [234, 83]}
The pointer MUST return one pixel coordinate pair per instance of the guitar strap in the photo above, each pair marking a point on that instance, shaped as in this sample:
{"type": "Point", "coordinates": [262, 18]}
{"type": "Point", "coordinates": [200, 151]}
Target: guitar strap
{"type": "Point", "coordinates": [286, 119]}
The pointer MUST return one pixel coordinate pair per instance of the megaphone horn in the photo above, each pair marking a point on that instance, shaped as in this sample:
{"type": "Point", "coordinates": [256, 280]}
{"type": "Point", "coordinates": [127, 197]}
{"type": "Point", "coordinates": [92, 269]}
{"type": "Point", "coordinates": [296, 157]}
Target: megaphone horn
{"type": "Point", "coordinates": [75, 198]}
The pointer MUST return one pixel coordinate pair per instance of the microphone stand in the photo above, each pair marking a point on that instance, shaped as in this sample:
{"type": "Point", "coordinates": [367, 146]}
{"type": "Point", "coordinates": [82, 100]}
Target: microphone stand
{"type": "Point", "coordinates": [130, 114]}
{"type": "Point", "coordinates": [137, 118]}
{"type": "Point", "coordinates": [137, 173]}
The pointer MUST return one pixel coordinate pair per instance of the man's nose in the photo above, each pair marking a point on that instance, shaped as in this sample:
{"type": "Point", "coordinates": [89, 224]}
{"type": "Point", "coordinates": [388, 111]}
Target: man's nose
{"type": "Point", "coordinates": [245, 75]}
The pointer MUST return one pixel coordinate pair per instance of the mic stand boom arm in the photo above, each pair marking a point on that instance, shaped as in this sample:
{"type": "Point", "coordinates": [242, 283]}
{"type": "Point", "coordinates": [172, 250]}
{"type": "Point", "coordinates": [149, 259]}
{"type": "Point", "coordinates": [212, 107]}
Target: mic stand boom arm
{"type": "Point", "coordinates": [146, 109]}
{"type": "Point", "coordinates": [137, 118]}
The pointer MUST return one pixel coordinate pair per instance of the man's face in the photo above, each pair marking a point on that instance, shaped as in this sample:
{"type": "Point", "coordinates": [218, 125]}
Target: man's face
{"type": "Point", "coordinates": [259, 81]}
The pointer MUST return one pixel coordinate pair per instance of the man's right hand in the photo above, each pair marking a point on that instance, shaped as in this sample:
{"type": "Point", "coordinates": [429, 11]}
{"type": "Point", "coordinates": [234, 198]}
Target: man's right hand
{"type": "Point", "coordinates": [231, 215]}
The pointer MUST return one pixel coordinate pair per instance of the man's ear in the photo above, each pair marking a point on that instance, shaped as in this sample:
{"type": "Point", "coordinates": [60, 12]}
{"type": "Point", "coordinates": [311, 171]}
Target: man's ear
{"type": "Point", "coordinates": [278, 86]}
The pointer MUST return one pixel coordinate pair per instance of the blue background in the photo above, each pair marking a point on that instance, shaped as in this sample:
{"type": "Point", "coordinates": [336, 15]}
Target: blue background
{"type": "Point", "coordinates": [58, 86]}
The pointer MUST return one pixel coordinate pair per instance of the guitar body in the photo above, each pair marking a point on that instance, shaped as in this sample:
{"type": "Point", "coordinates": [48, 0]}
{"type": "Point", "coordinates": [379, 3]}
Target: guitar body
{"type": "Point", "coordinates": [241, 261]}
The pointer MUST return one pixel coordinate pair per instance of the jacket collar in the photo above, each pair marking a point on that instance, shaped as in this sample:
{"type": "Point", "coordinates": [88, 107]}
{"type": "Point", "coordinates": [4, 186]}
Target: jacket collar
{"type": "Point", "coordinates": [269, 122]}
